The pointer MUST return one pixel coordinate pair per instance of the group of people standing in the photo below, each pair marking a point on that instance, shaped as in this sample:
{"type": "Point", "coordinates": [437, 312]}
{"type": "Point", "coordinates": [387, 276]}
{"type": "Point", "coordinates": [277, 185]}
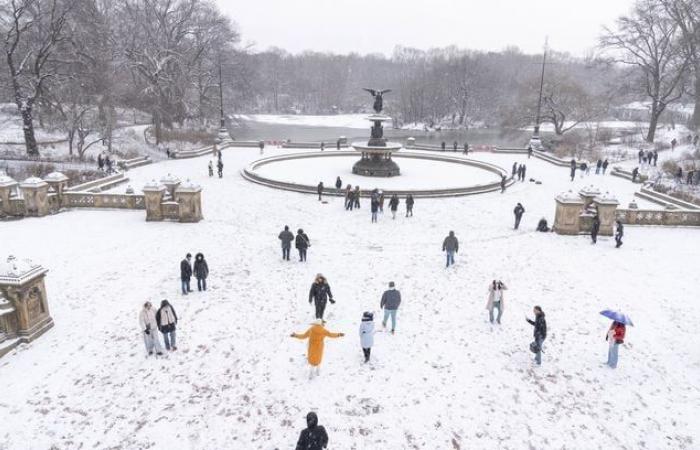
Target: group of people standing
{"type": "Point", "coordinates": [649, 157]}
{"type": "Point", "coordinates": [219, 166]}
{"type": "Point", "coordinates": [105, 163]}
{"type": "Point", "coordinates": [200, 271]}
{"type": "Point", "coordinates": [519, 171]}
{"type": "Point", "coordinates": [164, 321]}
{"type": "Point", "coordinates": [301, 242]}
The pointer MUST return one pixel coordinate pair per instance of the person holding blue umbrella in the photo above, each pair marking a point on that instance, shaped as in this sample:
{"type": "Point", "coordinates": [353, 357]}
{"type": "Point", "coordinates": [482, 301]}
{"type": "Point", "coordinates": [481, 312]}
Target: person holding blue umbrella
{"type": "Point", "coordinates": [616, 334]}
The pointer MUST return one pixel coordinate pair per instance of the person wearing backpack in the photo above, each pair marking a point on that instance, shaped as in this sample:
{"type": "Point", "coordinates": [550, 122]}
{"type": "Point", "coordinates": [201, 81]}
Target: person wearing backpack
{"type": "Point", "coordinates": [302, 244]}
{"type": "Point", "coordinates": [615, 337]}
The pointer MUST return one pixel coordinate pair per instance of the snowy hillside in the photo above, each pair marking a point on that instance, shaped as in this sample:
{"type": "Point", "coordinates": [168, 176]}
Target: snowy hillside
{"type": "Point", "coordinates": [447, 379]}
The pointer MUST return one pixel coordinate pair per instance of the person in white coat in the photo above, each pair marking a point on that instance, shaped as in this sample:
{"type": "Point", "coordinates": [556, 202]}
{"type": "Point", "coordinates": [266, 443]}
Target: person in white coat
{"type": "Point", "coordinates": [496, 300]}
{"type": "Point", "coordinates": [367, 334]}
{"type": "Point", "coordinates": [149, 328]}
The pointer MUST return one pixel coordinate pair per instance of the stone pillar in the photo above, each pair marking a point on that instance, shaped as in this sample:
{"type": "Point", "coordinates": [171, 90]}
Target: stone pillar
{"type": "Point", "coordinates": [8, 189]}
{"type": "Point", "coordinates": [189, 199]}
{"type": "Point", "coordinates": [567, 218]}
{"type": "Point", "coordinates": [607, 206]}
{"type": "Point", "coordinates": [171, 182]}
{"type": "Point", "coordinates": [153, 197]}
{"type": "Point", "coordinates": [410, 142]}
{"type": "Point", "coordinates": [35, 192]}
{"type": "Point", "coordinates": [588, 194]}
{"type": "Point", "coordinates": [27, 315]}
{"type": "Point", "coordinates": [58, 183]}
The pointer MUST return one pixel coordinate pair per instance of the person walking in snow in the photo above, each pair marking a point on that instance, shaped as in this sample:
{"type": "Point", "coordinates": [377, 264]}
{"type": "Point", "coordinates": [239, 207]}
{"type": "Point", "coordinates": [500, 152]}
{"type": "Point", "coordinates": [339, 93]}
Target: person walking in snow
{"type": "Point", "coordinates": [409, 205]}
{"type": "Point", "coordinates": [201, 271]}
{"type": "Point", "coordinates": [640, 155]}
{"type": "Point", "coordinates": [211, 168]}
{"type": "Point", "coordinates": [367, 334]}
{"type": "Point", "coordinates": [450, 246]}
{"type": "Point", "coordinates": [394, 205]}
{"type": "Point", "coordinates": [540, 333]}
{"type": "Point", "coordinates": [495, 300]}
{"type": "Point", "coordinates": [261, 145]}
{"type": "Point", "coordinates": [316, 335]}
{"type": "Point", "coordinates": [529, 151]}
{"type": "Point", "coordinates": [595, 228]}
{"type": "Point", "coordinates": [391, 299]}
{"type": "Point", "coordinates": [166, 318]}
{"type": "Point", "coordinates": [619, 231]}
{"type": "Point", "coordinates": [314, 436]}
{"type": "Point", "coordinates": [338, 183]}
{"type": "Point", "coordinates": [454, 146]}
{"type": "Point", "coordinates": [320, 293]}
{"type": "Point", "coordinates": [374, 207]}
{"type": "Point", "coordinates": [503, 184]}
{"type": "Point", "coordinates": [443, 146]}
{"type": "Point", "coordinates": [286, 237]}
{"type": "Point", "coordinates": [220, 168]}
{"type": "Point", "coordinates": [186, 274]}
{"type": "Point", "coordinates": [356, 197]}
{"type": "Point", "coordinates": [149, 325]}
{"type": "Point", "coordinates": [466, 148]}
{"type": "Point", "coordinates": [655, 157]}
{"type": "Point", "coordinates": [515, 169]}
{"type": "Point", "coordinates": [302, 244]}
{"type": "Point", "coordinates": [381, 202]}
{"type": "Point", "coordinates": [349, 200]}
{"type": "Point", "coordinates": [598, 166]}
{"type": "Point", "coordinates": [319, 189]}
{"type": "Point", "coordinates": [523, 171]}
{"type": "Point", "coordinates": [573, 169]}
{"type": "Point", "coordinates": [520, 172]}
{"type": "Point", "coordinates": [323, 146]}
{"type": "Point", "coordinates": [518, 212]}
{"type": "Point", "coordinates": [605, 166]}
{"type": "Point", "coordinates": [635, 173]}
{"type": "Point", "coordinates": [615, 337]}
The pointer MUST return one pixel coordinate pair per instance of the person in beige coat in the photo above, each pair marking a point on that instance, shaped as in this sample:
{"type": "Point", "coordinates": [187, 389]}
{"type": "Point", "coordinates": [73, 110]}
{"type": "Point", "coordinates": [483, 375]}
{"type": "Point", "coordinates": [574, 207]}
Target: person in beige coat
{"type": "Point", "coordinates": [496, 299]}
{"type": "Point", "coordinates": [149, 328]}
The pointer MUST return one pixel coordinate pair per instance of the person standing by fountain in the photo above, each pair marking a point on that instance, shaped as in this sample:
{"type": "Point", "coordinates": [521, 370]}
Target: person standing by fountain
{"type": "Point", "coordinates": [381, 202]}
{"type": "Point", "coordinates": [356, 197]}
{"type": "Point", "coordinates": [319, 189]}
{"type": "Point", "coordinates": [450, 246]}
{"type": "Point", "coordinates": [394, 205]}
{"type": "Point", "coordinates": [466, 149]}
{"type": "Point", "coordinates": [338, 183]}
{"type": "Point", "coordinates": [409, 205]}
{"type": "Point", "coordinates": [374, 206]}
{"type": "Point", "coordinates": [348, 198]}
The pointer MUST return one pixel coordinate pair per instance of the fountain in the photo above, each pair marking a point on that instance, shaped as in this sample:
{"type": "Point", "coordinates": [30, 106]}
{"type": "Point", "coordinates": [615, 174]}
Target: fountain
{"type": "Point", "coordinates": [376, 153]}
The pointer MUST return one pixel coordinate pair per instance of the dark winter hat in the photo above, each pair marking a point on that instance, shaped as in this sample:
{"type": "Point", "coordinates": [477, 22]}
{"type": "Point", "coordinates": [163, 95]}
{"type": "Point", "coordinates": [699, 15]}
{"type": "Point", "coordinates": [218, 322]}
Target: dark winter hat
{"type": "Point", "coordinates": [367, 316]}
{"type": "Point", "coordinates": [189, 255]}
{"type": "Point", "coordinates": [300, 231]}
{"type": "Point", "coordinates": [286, 228]}
{"type": "Point", "coordinates": [391, 284]}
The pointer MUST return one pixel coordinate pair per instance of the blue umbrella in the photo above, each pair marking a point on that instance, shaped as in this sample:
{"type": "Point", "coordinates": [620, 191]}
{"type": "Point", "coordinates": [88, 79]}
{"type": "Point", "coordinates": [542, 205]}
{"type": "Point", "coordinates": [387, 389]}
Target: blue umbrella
{"type": "Point", "coordinates": [617, 316]}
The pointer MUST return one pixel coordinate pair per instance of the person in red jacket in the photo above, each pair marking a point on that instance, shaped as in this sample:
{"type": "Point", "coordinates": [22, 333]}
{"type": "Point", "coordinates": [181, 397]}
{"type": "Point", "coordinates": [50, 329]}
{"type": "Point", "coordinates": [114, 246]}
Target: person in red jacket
{"type": "Point", "coordinates": [615, 337]}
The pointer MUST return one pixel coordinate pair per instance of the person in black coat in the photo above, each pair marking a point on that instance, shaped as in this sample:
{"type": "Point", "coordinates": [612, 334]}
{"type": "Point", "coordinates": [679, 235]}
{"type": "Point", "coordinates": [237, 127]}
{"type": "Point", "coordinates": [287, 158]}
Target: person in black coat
{"type": "Point", "coordinates": [635, 173]}
{"type": "Point", "coordinates": [523, 169]}
{"type": "Point", "coordinates": [573, 169]}
{"type": "Point", "coordinates": [319, 189]}
{"type": "Point", "coordinates": [443, 146]}
{"type": "Point", "coordinates": [619, 231]}
{"type": "Point", "coordinates": [186, 273]}
{"type": "Point", "coordinates": [595, 228]}
{"type": "Point", "coordinates": [320, 294]}
{"type": "Point", "coordinates": [374, 207]}
{"type": "Point", "coordinates": [605, 166]}
{"type": "Point", "coordinates": [286, 237]}
{"type": "Point", "coordinates": [409, 205]}
{"type": "Point", "coordinates": [338, 183]}
{"type": "Point", "coordinates": [394, 205]}
{"type": "Point", "coordinates": [520, 172]}
{"type": "Point", "coordinates": [503, 183]}
{"type": "Point", "coordinates": [302, 244]}
{"type": "Point", "coordinates": [356, 197]}
{"type": "Point", "coordinates": [166, 320]}
{"type": "Point", "coordinates": [220, 168]}
{"type": "Point", "coordinates": [515, 169]}
{"type": "Point", "coordinates": [598, 166]}
{"type": "Point", "coordinates": [201, 271]}
{"type": "Point", "coordinates": [540, 333]}
{"type": "Point", "coordinates": [518, 212]}
{"type": "Point", "coordinates": [466, 148]}
{"type": "Point", "coordinates": [314, 436]}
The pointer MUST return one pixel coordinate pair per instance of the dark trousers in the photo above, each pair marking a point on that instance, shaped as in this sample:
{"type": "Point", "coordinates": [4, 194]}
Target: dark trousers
{"type": "Point", "coordinates": [594, 236]}
{"type": "Point", "coordinates": [618, 240]}
{"type": "Point", "coordinates": [356, 202]}
{"type": "Point", "coordinates": [302, 254]}
{"type": "Point", "coordinates": [201, 284]}
{"type": "Point", "coordinates": [221, 174]}
{"type": "Point", "coordinates": [517, 221]}
{"type": "Point", "coordinates": [409, 211]}
{"type": "Point", "coordinates": [320, 308]}
{"type": "Point", "coordinates": [366, 351]}
{"type": "Point", "coordinates": [285, 253]}
{"type": "Point", "coordinates": [348, 204]}
{"type": "Point", "coordinates": [319, 196]}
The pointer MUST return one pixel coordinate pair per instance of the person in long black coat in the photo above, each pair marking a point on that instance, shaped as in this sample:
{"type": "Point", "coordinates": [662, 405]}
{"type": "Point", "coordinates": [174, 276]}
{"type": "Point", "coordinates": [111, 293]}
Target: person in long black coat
{"type": "Point", "coordinates": [201, 271]}
{"type": "Point", "coordinates": [518, 212]}
{"type": "Point", "coordinates": [409, 205]}
{"type": "Point", "coordinates": [515, 169]}
{"type": "Point", "coordinates": [319, 189]}
{"type": "Point", "coordinates": [186, 274]}
{"type": "Point", "coordinates": [503, 183]}
{"type": "Point", "coordinates": [302, 244]}
{"type": "Point", "coordinates": [320, 294]}
{"type": "Point", "coordinates": [314, 436]}
{"type": "Point", "coordinates": [540, 332]}
{"type": "Point", "coordinates": [595, 228]}
{"type": "Point", "coordinates": [523, 170]}
{"type": "Point", "coordinates": [338, 183]}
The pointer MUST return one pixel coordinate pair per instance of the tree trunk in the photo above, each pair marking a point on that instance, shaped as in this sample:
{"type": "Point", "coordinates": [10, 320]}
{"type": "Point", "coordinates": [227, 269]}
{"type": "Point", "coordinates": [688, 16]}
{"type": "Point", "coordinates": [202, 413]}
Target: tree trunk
{"type": "Point", "coordinates": [695, 119]}
{"type": "Point", "coordinates": [71, 135]}
{"type": "Point", "coordinates": [28, 128]}
{"type": "Point", "coordinates": [653, 121]}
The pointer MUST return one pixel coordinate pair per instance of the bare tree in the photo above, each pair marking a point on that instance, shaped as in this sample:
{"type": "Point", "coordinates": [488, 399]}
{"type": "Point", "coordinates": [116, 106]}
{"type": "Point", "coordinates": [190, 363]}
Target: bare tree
{"type": "Point", "coordinates": [33, 29]}
{"type": "Point", "coordinates": [649, 40]}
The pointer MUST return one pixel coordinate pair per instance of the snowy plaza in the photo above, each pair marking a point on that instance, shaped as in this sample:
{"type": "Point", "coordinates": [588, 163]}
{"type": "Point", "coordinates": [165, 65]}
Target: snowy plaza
{"type": "Point", "coordinates": [447, 378]}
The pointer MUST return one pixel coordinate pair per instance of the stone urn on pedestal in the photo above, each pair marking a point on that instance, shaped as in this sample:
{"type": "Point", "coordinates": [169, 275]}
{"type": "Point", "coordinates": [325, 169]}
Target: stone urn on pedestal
{"type": "Point", "coordinates": [35, 193]}
{"type": "Point", "coordinates": [189, 199]}
{"type": "Point", "coordinates": [153, 198]}
{"type": "Point", "coordinates": [567, 217]}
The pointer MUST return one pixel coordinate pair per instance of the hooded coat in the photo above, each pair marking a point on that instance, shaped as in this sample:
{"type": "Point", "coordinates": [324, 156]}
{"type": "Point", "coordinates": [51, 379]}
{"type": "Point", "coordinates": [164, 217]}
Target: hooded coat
{"type": "Point", "coordinates": [201, 268]}
{"type": "Point", "coordinates": [314, 437]}
{"type": "Point", "coordinates": [166, 318]}
{"type": "Point", "coordinates": [147, 319]}
{"type": "Point", "coordinates": [185, 270]}
{"type": "Point", "coordinates": [540, 324]}
{"type": "Point", "coordinates": [493, 293]}
{"type": "Point", "coordinates": [286, 237]}
{"type": "Point", "coordinates": [367, 333]}
{"type": "Point", "coordinates": [302, 241]}
{"type": "Point", "coordinates": [450, 244]}
{"type": "Point", "coordinates": [316, 335]}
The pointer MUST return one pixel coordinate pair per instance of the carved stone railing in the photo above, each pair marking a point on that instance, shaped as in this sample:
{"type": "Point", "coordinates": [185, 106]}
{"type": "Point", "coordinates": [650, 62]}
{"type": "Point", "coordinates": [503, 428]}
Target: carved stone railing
{"type": "Point", "coordinates": [658, 217]}
{"type": "Point", "coordinates": [171, 210]}
{"type": "Point", "coordinates": [103, 200]}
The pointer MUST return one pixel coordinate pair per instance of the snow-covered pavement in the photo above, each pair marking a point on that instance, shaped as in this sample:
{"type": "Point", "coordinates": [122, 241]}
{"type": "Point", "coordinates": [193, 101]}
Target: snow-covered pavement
{"type": "Point", "coordinates": [447, 379]}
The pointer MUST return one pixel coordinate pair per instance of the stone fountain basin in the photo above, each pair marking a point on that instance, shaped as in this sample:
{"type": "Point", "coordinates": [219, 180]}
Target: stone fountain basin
{"type": "Point", "coordinates": [364, 148]}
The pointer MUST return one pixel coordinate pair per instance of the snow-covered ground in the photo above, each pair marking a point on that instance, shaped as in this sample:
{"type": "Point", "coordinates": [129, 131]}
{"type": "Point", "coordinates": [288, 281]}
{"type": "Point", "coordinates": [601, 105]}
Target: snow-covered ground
{"type": "Point", "coordinates": [447, 379]}
{"type": "Point", "coordinates": [337, 120]}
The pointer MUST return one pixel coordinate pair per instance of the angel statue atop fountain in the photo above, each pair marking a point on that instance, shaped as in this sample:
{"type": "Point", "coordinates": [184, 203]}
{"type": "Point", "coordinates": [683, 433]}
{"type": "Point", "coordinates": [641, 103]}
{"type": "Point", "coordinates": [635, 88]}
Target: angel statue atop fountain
{"type": "Point", "coordinates": [378, 101]}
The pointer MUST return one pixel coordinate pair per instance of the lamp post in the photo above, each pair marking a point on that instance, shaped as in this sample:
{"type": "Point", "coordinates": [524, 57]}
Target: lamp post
{"type": "Point", "coordinates": [535, 141]}
{"type": "Point", "coordinates": [223, 132]}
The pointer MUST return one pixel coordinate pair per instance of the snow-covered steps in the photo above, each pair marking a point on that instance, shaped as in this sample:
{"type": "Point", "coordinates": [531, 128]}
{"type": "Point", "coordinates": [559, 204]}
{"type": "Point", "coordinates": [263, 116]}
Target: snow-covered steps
{"type": "Point", "coordinates": [101, 184]}
{"type": "Point", "coordinates": [665, 200]}
{"type": "Point", "coordinates": [133, 163]}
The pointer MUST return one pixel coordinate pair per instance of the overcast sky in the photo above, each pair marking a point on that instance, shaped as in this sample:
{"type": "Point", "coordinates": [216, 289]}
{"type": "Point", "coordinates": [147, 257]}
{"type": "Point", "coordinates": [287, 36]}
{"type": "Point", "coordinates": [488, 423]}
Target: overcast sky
{"type": "Point", "coordinates": [369, 26]}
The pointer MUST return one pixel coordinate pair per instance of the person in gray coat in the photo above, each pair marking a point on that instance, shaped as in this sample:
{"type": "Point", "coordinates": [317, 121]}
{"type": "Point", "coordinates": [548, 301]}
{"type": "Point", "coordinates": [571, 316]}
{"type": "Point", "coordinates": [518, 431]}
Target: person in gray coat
{"type": "Point", "coordinates": [286, 237]}
{"type": "Point", "coordinates": [450, 246]}
{"type": "Point", "coordinates": [391, 299]}
{"type": "Point", "coordinates": [367, 334]}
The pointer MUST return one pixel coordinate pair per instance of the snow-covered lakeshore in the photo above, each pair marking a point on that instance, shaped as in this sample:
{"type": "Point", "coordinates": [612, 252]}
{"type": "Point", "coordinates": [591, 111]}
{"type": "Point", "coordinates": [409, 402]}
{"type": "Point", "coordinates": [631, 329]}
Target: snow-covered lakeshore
{"type": "Point", "coordinates": [447, 379]}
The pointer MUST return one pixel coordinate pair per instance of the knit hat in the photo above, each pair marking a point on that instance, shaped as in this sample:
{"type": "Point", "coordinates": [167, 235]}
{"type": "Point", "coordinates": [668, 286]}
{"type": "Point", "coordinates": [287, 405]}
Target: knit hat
{"type": "Point", "coordinates": [367, 316]}
{"type": "Point", "coordinates": [391, 284]}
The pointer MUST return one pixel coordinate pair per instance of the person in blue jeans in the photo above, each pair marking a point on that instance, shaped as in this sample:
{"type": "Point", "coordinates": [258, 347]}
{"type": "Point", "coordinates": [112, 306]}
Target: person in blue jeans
{"type": "Point", "coordinates": [186, 274]}
{"type": "Point", "coordinates": [450, 246]}
{"type": "Point", "coordinates": [391, 299]}
{"type": "Point", "coordinates": [540, 332]}
{"type": "Point", "coordinates": [166, 319]}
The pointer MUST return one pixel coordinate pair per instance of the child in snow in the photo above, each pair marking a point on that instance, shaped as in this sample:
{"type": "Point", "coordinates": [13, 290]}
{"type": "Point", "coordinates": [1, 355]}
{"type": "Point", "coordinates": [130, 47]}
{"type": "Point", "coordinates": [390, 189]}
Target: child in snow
{"type": "Point", "coordinates": [316, 335]}
{"type": "Point", "coordinates": [367, 334]}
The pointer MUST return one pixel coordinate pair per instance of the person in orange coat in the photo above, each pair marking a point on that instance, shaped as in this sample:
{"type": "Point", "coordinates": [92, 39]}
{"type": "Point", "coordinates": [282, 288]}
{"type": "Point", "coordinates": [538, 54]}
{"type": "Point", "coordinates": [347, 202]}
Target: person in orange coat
{"type": "Point", "coordinates": [316, 335]}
